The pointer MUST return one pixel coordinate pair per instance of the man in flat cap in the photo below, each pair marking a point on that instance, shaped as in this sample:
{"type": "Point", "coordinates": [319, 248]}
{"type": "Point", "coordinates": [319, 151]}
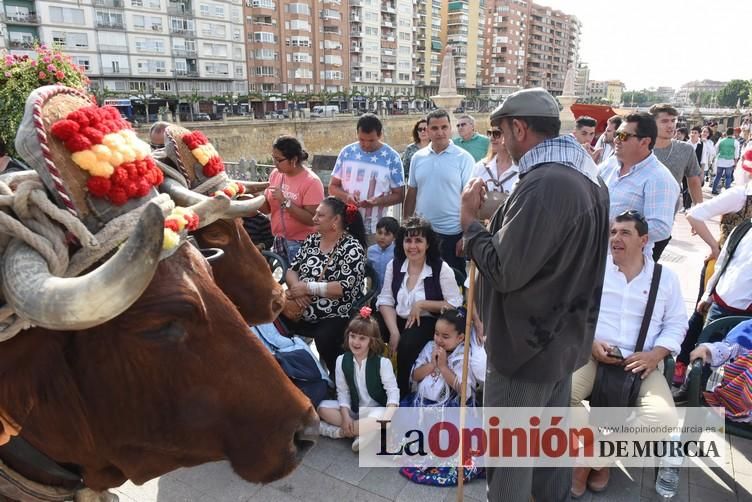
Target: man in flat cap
{"type": "Point", "coordinates": [541, 266]}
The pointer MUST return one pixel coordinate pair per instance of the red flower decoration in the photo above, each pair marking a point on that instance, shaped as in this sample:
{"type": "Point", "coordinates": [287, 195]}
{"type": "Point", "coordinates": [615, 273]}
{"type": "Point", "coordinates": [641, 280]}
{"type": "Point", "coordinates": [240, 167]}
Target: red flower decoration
{"type": "Point", "coordinates": [78, 143]}
{"type": "Point", "coordinates": [365, 312]}
{"type": "Point", "coordinates": [194, 139]}
{"type": "Point", "coordinates": [117, 196]}
{"type": "Point", "coordinates": [95, 135]}
{"type": "Point", "coordinates": [64, 129]}
{"type": "Point", "coordinates": [172, 225]}
{"type": "Point", "coordinates": [191, 221]}
{"type": "Point", "coordinates": [213, 167]}
{"type": "Point", "coordinates": [350, 213]}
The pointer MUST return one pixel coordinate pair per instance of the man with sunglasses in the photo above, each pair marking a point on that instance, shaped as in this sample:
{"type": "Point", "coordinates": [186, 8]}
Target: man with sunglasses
{"type": "Point", "coordinates": [541, 265]}
{"type": "Point", "coordinates": [637, 180]}
{"type": "Point", "coordinates": [157, 135]}
{"type": "Point", "coordinates": [469, 140]}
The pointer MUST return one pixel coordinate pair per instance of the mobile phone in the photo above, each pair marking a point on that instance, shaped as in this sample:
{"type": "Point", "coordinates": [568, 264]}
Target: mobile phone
{"type": "Point", "coordinates": [615, 352]}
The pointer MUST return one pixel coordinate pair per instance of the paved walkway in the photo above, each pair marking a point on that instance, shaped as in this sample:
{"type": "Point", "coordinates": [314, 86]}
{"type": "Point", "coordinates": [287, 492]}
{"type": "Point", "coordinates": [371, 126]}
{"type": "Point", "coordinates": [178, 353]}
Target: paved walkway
{"type": "Point", "coordinates": [330, 471]}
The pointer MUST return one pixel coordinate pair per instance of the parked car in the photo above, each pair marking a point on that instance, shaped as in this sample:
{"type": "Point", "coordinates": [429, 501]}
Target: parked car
{"type": "Point", "coordinates": [277, 114]}
{"type": "Point", "coordinates": [202, 116]}
{"type": "Point", "coordinates": [324, 111]}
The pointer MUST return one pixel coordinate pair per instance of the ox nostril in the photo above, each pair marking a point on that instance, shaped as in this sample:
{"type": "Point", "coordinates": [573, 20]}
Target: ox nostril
{"type": "Point", "coordinates": [305, 438]}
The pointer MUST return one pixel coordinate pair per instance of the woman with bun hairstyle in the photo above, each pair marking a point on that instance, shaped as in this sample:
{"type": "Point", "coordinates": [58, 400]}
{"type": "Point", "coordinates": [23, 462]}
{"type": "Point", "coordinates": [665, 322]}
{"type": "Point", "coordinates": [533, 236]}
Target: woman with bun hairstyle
{"type": "Point", "coordinates": [293, 195]}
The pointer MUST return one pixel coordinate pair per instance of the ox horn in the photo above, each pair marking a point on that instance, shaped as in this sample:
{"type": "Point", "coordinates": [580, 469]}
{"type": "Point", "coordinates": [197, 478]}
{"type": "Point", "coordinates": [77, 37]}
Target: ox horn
{"type": "Point", "coordinates": [245, 206]}
{"type": "Point", "coordinates": [208, 209]}
{"type": "Point", "coordinates": [76, 303]}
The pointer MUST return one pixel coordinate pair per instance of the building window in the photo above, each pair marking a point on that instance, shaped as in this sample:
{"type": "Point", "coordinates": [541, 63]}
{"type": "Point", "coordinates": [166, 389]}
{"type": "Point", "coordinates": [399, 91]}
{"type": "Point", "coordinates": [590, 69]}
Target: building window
{"type": "Point", "coordinates": [137, 86]}
{"type": "Point", "coordinates": [83, 62]}
{"type": "Point", "coordinates": [217, 68]}
{"type": "Point", "coordinates": [299, 24]}
{"type": "Point", "coordinates": [265, 54]}
{"type": "Point", "coordinates": [298, 8]}
{"type": "Point", "coordinates": [151, 66]}
{"type": "Point", "coordinates": [264, 37]}
{"type": "Point", "coordinates": [66, 16]}
{"type": "Point", "coordinates": [162, 86]}
{"type": "Point", "coordinates": [266, 4]}
{"type": "Point", "coordinates": [70, 40]}
{"type": "Point", "coordinates": [264, 71]}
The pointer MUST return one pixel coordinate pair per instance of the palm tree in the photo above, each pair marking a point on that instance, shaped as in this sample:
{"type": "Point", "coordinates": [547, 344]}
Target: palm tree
{"type": "Point", "coordinates": [193, 98]}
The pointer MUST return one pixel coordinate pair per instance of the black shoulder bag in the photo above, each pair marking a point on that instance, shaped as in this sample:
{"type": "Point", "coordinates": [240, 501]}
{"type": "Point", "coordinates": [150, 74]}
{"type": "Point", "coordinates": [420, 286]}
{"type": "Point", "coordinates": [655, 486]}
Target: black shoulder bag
{"type": "Point", "coordinates": [614, 387]}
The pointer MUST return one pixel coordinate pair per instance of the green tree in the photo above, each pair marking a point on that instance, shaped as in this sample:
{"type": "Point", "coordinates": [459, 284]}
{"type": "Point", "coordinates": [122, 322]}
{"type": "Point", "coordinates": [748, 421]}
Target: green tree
{"type": "Point", "coordinates": [736, 90]}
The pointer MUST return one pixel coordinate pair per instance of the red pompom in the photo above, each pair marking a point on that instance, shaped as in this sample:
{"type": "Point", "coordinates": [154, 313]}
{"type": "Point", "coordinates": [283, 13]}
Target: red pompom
{"type": "Point", "coordinates": [117, 196]}
{"type": "Point", "coordinates": [92, 115]}
{"type": "Point", "coordinates": [213, 167]}
{"type": "Point", "coordinates": [131, 188]}
{"type": "Point", "coordinates": [172, 225]}
{"type": "Point", "coordinates": [80, 117]}
{"type": "Point", "coordinates": [98, 186]}
{"type": "Point", "coordinates": [132, 171]}
{"type": "Point", "coordinates": [144, 187]}
{"type": "Point", "coordinates": [194, 139]}
{"type": "Point", "coordinates": [64, 129]}
{"type": "Point", "coordinates": [78, 143]}
{"type": "Point", "coordinates": [158, 176]}
{"type": "Point", "coordinates": [110, 112]}
{"type": "Point", "coordinates": [141, 167]}
{"type": "Point", "coordinates": [241, 188]}
{"type": "Point", "coordinates": [94, 135]}
{"type": "Point", "coordinates": [119, 176]}
{"type": "Point", "coordinates": [192, 221]}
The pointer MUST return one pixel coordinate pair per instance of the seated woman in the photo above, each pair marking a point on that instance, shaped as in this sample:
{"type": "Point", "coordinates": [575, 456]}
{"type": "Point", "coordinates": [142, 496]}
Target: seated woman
{"type": "Point", "coordinates": [325, 277]}
{"type": "Point", "coordinates": [418, 285]}
{"type": "Point", "coordinates": [293, 195]}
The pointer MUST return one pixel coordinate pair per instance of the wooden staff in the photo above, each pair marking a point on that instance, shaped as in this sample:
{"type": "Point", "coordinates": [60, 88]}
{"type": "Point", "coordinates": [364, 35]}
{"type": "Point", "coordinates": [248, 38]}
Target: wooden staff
{"type": "Point", "coordinates": [463, 389]}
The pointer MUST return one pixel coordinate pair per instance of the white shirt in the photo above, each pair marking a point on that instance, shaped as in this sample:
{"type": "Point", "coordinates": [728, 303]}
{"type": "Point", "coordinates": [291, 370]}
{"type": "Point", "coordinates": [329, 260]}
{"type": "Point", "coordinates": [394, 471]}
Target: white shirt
{"type": "Point", "coordinates": [735, 285]}
{"type": "Point", "coordinates": [729, 201]}
{"type": "Point", "coordinates": [481, 172]}
{"type": "Point", "coordinates": [433, 386]}
{"type": "Point", "coordinates": [708, 152]}
{"type": "Point", "coordinates": [623, 307]}
{"type": "Point", "coordinates": [366, 401]}
{"type": "Point", "coordinates": [407, 298]}
{"type": "Point", "coordinates": [608, 148]}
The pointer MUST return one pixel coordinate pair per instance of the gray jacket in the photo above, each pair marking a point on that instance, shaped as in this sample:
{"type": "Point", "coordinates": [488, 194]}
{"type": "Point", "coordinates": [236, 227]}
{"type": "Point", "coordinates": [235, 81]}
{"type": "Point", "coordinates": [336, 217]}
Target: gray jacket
{"type": "Point", "coordinates": [541, 273]}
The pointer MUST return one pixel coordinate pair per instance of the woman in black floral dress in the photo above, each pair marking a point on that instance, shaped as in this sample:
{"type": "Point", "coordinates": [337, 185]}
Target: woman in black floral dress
{"type": "Point", "coordinates": [326, 276]}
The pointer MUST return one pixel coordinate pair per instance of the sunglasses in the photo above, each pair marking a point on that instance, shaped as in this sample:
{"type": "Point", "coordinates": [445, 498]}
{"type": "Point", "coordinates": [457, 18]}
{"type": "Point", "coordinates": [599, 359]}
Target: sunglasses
{"type": "Point", "coordinates": [632, 213]}
{"type": "Point", "coordinates": [422, 129]}
{"type": "Point", "coordinates": [624, 136]}
{"type": "Point", "coordinates": [495, 133]}
{"type": "Point", "coordinates": [462, 124]}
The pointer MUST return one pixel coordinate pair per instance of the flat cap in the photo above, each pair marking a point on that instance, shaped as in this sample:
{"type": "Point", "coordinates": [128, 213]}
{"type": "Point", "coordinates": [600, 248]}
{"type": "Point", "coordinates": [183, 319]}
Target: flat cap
{"type": "Point", "coordinates": [535, 102]}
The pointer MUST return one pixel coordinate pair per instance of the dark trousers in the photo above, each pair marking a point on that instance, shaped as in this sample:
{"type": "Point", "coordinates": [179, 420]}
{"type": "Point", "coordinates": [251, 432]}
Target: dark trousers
{"type": "Point", "coordinates": [658, 248]}
{"type": "Point", "coordinates": [695, 325]}
{"type": "Point", "coordinates": [329, 335]}
{"type": "Point", "coordinates": [411, 342]}
{"type": "Point", "coordinates": [516, 484]}
{"type": "Point", "coordinates": [448, 247]}
{"type": "Point", "coordinates": [727, 173]}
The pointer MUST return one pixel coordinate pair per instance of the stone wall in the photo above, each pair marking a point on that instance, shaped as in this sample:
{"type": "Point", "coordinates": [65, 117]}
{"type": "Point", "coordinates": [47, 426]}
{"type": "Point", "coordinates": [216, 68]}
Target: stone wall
{"type": "Point", "coordinates": [253, 139]}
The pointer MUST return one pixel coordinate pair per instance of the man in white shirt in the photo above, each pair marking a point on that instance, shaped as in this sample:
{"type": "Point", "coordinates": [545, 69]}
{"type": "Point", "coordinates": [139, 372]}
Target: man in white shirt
{"type": "Point", "coordinates": [604, 147]}
{"type": "Point", "coordinates": [625, 294]}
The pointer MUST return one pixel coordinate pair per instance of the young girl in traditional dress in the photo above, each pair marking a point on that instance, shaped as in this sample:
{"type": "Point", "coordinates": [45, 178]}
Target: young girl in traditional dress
{"type": "Point", "coordinates": [364, 379]}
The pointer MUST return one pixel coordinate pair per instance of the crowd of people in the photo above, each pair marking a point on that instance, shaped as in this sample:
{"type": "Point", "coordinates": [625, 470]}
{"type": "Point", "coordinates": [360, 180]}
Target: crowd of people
{"type": "Point", "coordinates": [567, 232]}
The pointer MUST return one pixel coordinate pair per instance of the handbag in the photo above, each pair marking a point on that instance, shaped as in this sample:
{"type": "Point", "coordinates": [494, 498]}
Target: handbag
{"type": "Point", "coordinates": [494, 199]}
{"type": "Point", "coordinates": [279, 245]}
{"type": "Point", "coordinates": [614, 387]}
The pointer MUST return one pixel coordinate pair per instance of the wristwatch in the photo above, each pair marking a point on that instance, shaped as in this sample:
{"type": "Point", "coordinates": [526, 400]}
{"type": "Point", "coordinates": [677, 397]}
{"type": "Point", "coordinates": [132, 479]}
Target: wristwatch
{"type": "Point", "coordinates": [286, 203]}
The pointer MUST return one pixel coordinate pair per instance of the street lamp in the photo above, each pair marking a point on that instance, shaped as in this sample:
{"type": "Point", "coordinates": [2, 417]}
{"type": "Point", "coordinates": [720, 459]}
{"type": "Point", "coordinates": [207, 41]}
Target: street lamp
{"type": "Point", "coordinates": [177, 95]}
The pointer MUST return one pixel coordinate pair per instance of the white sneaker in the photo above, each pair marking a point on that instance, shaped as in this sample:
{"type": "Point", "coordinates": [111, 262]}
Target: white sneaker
{"type": "Point", "coordinates": [330, 431]}
{"type": "Point", "coordinates": [356, 444]}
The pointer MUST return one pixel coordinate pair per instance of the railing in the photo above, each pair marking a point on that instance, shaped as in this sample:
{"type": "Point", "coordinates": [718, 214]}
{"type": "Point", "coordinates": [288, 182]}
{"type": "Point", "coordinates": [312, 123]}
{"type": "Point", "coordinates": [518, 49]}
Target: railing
{"type": "Point", "coordinates": [183, 31]}
{"type": "Point", "coordinates": [18, 44]}
{"type": "Point", "coordinates": [248, 170]}
{"type": "Point", "coordinates": [184, 53]}
{"type": "Point", "coordinates": [110, 25]}
{"type": "Point", "coordinates": [112, 48]}
{"type": "Point", "coordinates": [115, 4]}
{"type": "Point", "coordinates": [119, 71]}
{"type": "Point", "coordinates": [20, 18]}
{"type": "Point", "coordinates": [186, 73]}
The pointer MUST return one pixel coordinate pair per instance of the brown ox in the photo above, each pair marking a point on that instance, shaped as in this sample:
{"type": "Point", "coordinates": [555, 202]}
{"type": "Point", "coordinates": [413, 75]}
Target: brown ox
{"type": "Point", "coordinates": [176, 380]}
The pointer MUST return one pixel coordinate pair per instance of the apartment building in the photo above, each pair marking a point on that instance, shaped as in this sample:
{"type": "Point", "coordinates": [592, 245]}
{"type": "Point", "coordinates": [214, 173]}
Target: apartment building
{"type": "Point", "coordinates": [682, 96]}
{"type": "Point", "coordinates": [582, 77]}
{"type": "Point", "coordinates": [462, 21]}
{"type": "Point", "coordinates": [427, 46]}
{"type": "Point", "coordinates": [297, 46]}
{"type": "Point", "coordinates": [381, 47]}
{"type": "Point", "coordinates": [140, 47]}
{"type": "Point", "coordinates": [529, 45]}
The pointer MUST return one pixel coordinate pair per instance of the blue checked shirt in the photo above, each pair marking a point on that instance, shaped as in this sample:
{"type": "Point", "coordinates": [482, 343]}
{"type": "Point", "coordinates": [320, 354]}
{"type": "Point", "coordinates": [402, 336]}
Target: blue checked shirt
{"type": "Point", "coordinates": [648, 187]}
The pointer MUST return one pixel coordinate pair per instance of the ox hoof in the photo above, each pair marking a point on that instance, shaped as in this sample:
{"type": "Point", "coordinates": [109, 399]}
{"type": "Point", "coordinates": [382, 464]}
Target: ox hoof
{"type": "Point", "coordinates": [87, 495]}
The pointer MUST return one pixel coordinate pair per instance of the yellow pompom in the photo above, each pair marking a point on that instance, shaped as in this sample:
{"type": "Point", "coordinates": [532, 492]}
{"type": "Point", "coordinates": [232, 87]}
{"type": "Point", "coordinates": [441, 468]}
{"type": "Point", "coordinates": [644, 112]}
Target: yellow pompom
{"type": "Point", "coordinates": [142, 150]}
{"type": "Point", "coordinates": [129, 155]}
{"type": "Point", "coordinates": [102, 152]}
{"type": "Point", "coordinates": [113, 140]}
{"type": "Point", "coordinates": [210, 150]}
{"type": "Point", "coordinates": [102, 168]}
{"type": "Point", "coordinates": [171, 239]}
{"type": "Point", "coordinates": [85, 159]}
{"type": "Point", "coordinates": [117, 158]}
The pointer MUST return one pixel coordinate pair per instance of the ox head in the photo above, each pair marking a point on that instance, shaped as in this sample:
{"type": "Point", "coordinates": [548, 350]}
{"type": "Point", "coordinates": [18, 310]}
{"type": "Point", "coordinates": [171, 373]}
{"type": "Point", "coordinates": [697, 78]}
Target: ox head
{"type": "Point", "coordinates": [176, 380]}
{"type": "Point", "coordinates": [242, 273]}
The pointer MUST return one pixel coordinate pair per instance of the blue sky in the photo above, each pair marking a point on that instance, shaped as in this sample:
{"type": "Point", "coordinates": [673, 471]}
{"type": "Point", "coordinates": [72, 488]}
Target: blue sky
{"type": "Point", "coordinates": [650, 43]}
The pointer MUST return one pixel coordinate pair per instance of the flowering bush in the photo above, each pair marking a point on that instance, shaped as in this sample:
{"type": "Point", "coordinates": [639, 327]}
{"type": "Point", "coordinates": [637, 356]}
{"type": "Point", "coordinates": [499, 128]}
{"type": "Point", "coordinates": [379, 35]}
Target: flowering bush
{"type": "Point", "coordinates": [20, 75]}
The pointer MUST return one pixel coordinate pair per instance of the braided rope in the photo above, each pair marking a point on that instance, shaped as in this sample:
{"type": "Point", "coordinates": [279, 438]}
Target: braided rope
{"type": "Point", "coordinates": [38, 120]}
{"type": "Point", "coordinates": [178, 157]}
{"type": "Point", "coordinates": [28, 215]}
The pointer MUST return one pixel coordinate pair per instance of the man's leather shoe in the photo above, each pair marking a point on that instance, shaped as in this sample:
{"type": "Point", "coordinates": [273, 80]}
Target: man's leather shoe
{"type": "Point", "coordinates": [598, 480]}
{"type": "Point", "coordinates": [579, 481]}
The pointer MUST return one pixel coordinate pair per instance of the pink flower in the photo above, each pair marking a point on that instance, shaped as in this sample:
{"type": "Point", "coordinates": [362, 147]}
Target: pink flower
{"type": "Point", "coordinates": [7, 74]}
{"type": "Point", "coordinates": [43, 47]}
{"type": "Point", "coordinates": [58, 57]}
{"type": "Point", "coordinates": [47, 59]}
{"type": "Point", "coordinates": [34, 63]}
{"type": "Point", "coordinates": [51, 68]}
{"type": "Point", "coordinates": [42, 75]}
{"type": "Point", "coordinates": [60, 75]}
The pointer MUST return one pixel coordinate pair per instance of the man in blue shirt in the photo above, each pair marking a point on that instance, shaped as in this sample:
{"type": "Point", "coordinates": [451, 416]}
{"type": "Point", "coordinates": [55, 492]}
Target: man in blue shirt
{"type": "Point", "coordinates": [637, 180]}
{"type": "Point", "coordinates": [438, 173]}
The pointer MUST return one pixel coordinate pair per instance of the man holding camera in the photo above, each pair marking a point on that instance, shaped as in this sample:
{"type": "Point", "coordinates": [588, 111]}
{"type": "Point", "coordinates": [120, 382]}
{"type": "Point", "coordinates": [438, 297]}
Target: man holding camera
{"type": "Point", "coordinates": [624, 299]}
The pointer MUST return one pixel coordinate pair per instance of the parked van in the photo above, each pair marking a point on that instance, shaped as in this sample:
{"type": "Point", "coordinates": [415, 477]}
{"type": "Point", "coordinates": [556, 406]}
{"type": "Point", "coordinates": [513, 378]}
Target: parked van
{"type": "Point", "coordinates": [325, 111]}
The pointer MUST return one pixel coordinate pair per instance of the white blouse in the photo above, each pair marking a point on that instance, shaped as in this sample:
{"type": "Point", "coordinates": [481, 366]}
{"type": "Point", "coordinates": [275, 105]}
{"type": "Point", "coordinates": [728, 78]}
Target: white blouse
{"type": "Point", "coordinates": [481, 172]}
{"type": "Point", "coordinates": [407, 298]}
{"type": "Point", "coordinates": [388, 380]}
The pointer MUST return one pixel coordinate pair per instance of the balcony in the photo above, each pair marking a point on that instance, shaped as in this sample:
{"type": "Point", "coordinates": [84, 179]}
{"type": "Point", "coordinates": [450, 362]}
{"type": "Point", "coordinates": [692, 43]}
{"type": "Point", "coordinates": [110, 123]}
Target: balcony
{"type": "Point", "coordinates": [109, 25]}
{"type": "Point", "coordinates": [20, 44]}
{"type": "Point", "coordinates": [356, 34]}
{"type": "Point", "coordinates": [189, 73]}
{"type": "Point", "coordinates": [116, 71]}
{"type": "Point", "coordinates": [183, 32]}
{"type": "Point", "coordinates": [112, 4]}
{"type": "Point", "coordinates": [356, 48]}
{"type": "Point", "coordinates": [183, 53]}
{"type": "Point", "coordinates": [30, 18]}
{"type": "Point", "coordinates": [112, 48]}
{"type": "Point", "coordinates": [355, 18]}
{"type": "Point", "coordinates": [179, 9]}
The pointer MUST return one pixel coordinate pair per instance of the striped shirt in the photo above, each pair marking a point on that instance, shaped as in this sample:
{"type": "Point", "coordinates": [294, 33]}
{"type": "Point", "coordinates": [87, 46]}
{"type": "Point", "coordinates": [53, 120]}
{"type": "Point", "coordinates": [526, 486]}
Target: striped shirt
{"type": "Point", "coordinates": [648, 187]}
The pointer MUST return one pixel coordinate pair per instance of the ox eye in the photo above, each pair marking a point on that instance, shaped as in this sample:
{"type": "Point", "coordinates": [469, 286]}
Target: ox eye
{"type": "Point", "coordinates": [172, 332]}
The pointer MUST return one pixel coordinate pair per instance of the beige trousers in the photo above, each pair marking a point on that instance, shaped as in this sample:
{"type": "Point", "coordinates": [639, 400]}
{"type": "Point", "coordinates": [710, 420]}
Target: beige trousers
{"type": "Point", "coordinates": [655, 404]}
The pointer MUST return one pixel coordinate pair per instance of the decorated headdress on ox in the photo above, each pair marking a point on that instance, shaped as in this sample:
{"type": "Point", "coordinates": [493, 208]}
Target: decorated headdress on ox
{"type": "Point", "coordinates": [194, 170]}
{"type": "Point", "coordinates": [107, 221]}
